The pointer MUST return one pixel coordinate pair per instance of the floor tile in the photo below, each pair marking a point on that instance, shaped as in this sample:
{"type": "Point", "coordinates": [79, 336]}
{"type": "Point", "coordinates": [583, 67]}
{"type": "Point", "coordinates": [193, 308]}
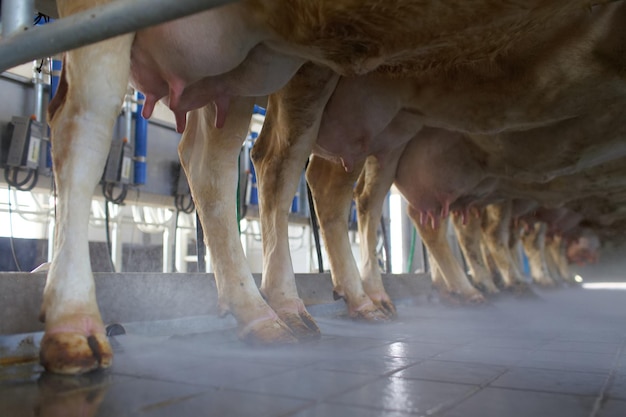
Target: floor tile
{"type": "Point", "coordinates": [222, 374]}
{"type": "Point", "coordinates": [129, 396]}
{"type": "Point", "coordinates": [510, 342]}
{"type": "Point", "coordinates": [18, 400]}
{"type": "Point", "coordinates": [570, 361]}
{"type": "Point", "coordinates": [332, 410]}
{"type": "Point", "coordinates": [549, 380]}
{"type": "Point", "coordinates": [618, 387]}
{"type": "Point", "coordinates": [308, 384]}
{"type": "Point", "coordinates": [438, 337]}
{"type": "Point", "coordinates": [390, 331]}
{"type": "Point", "coordinates": [345, 344]}
{"type": "Point", "coordinates": [406, 395]}
{"type": "Point", "coordinates": [497, 402]}
{"type": "Point", "coordinates": [591, 347]}
{"type": "Point", "coordinates": [458, 372]}
{"type": "Point", "coordinates": [413, 350]}
{"type": "Point", "coordinates": [486, 355]}
{"type": "Point", "coordinates": [365, 364]}
{"type": "Point", "coordinates": [613, 409]}
{"type": "Point", "coordinates": [221, 403]}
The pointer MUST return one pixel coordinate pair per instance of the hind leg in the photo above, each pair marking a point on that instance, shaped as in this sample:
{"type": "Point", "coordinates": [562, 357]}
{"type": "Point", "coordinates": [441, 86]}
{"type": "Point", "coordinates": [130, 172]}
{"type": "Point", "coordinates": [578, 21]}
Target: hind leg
{"type": "Point", "coordinates": [453, 275]}
{"type": "Point", "coordinates": [371, 191]}
{"type": "Point", "coordinates": [279, 156]}
{"type": "Point", "coordinates": [469, 236]}
{"type": "Point", "coordinates": [209, 157]}
{"type": "Point", "coordinates": [496, 226]}
{"type": "Point", "coordinates": [534, 240]}
{"type": "Point", "coordinates": [331, 187]}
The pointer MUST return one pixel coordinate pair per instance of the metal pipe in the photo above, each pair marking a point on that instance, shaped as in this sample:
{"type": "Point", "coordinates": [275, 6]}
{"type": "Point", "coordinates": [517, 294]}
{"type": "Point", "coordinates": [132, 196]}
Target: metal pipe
{"type": "Point", "coordinates": [17, 16]}
{"type": "Point", "coordinates": [38, 84]}
{"type": "Point", "coordinates": [128, 115]}
{"type": "Point", "coordinates": [94, 25]}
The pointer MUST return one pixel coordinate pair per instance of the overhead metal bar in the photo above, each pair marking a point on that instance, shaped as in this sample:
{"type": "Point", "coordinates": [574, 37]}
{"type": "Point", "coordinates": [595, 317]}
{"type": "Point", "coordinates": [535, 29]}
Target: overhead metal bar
{"type": "Point", "coordinates": [94, 25]}
{"type": "Point", "coordinates": [17, 16]}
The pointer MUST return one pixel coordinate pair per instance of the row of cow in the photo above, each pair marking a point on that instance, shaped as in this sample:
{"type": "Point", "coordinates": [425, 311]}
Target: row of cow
{"type": "Point", "coordinates": [463, 105]}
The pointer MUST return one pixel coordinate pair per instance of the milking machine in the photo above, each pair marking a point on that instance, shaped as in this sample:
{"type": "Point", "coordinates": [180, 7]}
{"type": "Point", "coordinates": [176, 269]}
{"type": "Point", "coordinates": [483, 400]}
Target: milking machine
{"type": "Point", "coordinates": [24, 148]}
{"type": "Point", "coordinates": [21, 151]}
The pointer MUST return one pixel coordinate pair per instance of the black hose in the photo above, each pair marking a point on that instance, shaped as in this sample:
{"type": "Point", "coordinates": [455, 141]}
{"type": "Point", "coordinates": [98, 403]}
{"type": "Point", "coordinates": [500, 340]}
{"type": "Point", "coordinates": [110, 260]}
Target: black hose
{"type": "Point", "coordinates": [315, 229]}
{"type": "Point", "coordinates": [107, 217]}
{"type": "Point", "coordinates": [108, 189]}
{"type": "Point", "coordinates": [184, 203]}
{"type": "Point", "coordinates": [201, 249]}
{"type": "Point", "coordinates": [11, 175]}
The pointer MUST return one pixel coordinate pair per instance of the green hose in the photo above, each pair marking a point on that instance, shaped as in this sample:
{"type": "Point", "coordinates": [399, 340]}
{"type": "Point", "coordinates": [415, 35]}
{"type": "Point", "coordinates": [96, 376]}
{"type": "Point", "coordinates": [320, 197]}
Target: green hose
{"type": "Point", "coordinates": [238, 190]}
{"type": "Point", "coordinates": [412, 250]}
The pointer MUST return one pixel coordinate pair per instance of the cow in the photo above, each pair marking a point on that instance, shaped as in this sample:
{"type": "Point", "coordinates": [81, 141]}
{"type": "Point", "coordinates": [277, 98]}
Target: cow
{"type": "Point", "coordinates": [223, 58]}
{"type": "Point", "coordinates": [519, 144]}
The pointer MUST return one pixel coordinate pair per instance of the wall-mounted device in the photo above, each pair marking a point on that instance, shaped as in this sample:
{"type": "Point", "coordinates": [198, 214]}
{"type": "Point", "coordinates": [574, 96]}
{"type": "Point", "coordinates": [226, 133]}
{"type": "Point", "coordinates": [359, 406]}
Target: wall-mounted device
{"type": "Point", "coordinates": [119, 165]}
{"type": "Point", "coordinates": [21, 151]}
{"type": "Point", "coordinates": [25, 138]}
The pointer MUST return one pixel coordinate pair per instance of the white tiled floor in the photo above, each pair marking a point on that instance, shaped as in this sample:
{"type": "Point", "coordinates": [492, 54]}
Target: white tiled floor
{"type": "Point", "coordinates": [561, 354]}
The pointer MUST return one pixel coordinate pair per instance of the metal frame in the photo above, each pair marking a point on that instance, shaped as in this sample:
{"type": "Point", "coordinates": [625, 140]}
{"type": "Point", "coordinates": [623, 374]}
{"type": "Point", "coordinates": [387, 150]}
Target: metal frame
{"type": "Point", "coordinates": [90, 26]}
{"type": "Point", "coordinates": [17, 16]}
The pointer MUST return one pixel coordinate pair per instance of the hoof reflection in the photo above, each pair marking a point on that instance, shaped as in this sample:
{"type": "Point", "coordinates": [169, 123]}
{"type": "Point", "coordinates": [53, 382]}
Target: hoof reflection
{"type": "Point", "coordinates": [71, 396]}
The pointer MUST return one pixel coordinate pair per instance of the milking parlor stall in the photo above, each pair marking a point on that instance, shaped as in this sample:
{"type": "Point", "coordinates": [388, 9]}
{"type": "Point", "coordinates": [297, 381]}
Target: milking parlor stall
{"type": "Point", "coordinates": [312, 208]}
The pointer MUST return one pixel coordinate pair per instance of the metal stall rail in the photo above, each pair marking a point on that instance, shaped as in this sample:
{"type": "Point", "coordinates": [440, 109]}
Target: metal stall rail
{"type": "Point", "coordinates": [20, 45]}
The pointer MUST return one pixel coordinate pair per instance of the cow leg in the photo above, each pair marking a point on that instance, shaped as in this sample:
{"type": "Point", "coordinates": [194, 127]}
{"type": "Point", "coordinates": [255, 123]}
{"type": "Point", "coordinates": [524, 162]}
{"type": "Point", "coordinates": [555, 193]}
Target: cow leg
{"type": "Point", "coordinates": [371, 191]}
{"type": "Point", "coordinates": [331, 187]}
{"type": "Point", "coordinates": [439, 284]}
{"type": "Point", "coordinates": [488, 259]}
{"type": "Point", "coordinates": [496, 228]}
{"type": "Point", "coordinates": [534, 245]}
{"type": "Point", "coordinates": [557, 250]}
{"type": "Point", "coordinates": [437, 244]}
{"type": "Point", "coordinates": [551, 262]}
{"type": "Point", "coordinates": [279, 156]}
{"type": "Point", "coordinates": [209, 157]}
{"type": "Point", "coordinates": [515, 237]}
{"type": "Point", "coordinates": [82, 114]}
{"type": "Point", "coordinates": [469, 236]}
{"type": "Point", "coordinates": [435, 274]}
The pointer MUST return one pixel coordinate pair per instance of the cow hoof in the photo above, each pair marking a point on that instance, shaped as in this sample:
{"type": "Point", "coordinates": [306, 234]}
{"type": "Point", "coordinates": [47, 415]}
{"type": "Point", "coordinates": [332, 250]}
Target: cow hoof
{"type": "Point", "coordinates": [475, 299]}
{"type": "Point", "coordinates": [521, 289]}
{"type": "Point", "coordinates": [387, 307]}
{"type": "Point", "coordinates": [444, 296]}
{"type": "Point", "coordinates": [293, 313]}
{"type": "Point", "coordinates": [73, 353]}
{"type": "Point", "coordinates": [267, 332]}
{"type": "Point", "coordinates": [546, 284]}
{"type": "Point", "coordinates": [486, 289]}
{"type": "Point", "coordinates": [370, 313]}
{"type": "Point", "coordinates": [382, 301]}
{"type": "Point", "coordinates": [301, 324]}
